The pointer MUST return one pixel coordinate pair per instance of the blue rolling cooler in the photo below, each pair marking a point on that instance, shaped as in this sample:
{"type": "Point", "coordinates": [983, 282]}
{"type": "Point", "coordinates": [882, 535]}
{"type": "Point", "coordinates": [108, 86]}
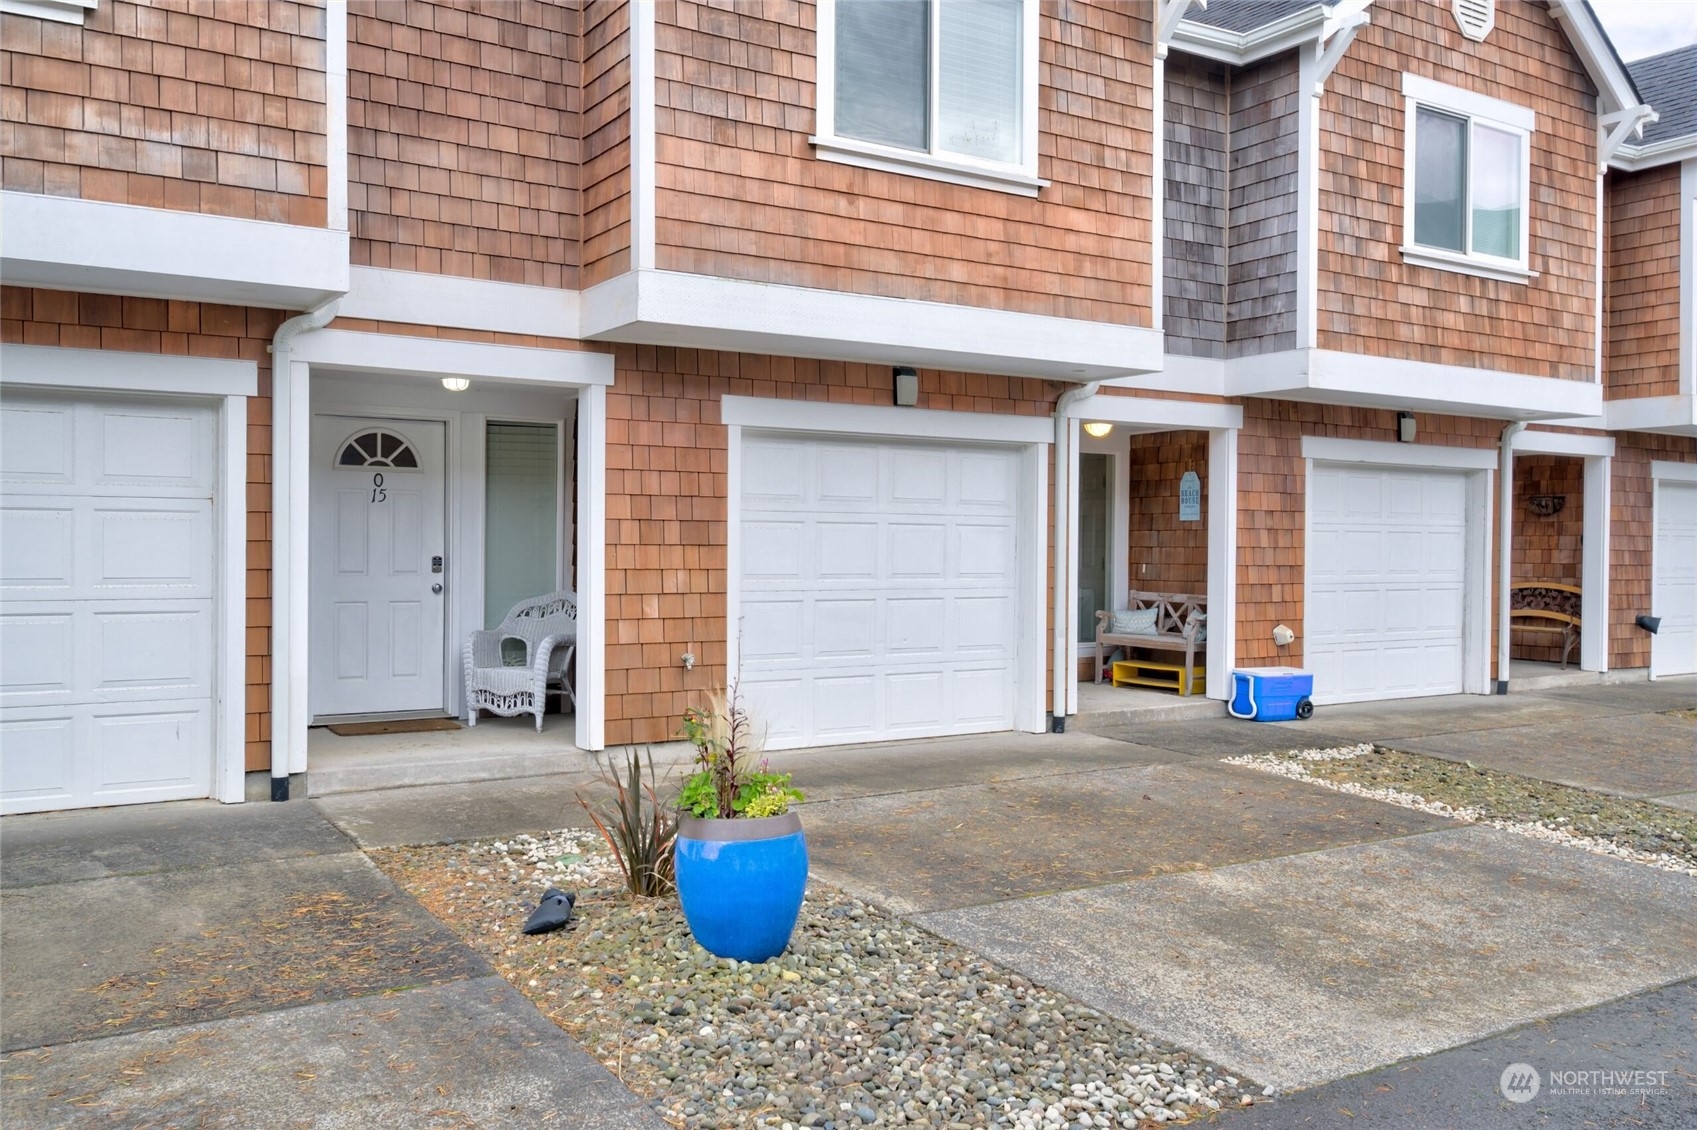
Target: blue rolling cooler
{"type": "Point", "coordinates": [1271, 694]}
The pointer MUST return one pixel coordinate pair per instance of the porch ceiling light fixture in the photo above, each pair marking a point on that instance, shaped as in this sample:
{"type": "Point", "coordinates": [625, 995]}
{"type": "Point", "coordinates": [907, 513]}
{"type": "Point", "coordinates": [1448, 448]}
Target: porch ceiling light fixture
{"type": "Point", "coordinates": [1098, 429]}
{"type": "Point", "coordinates": [455, 384]}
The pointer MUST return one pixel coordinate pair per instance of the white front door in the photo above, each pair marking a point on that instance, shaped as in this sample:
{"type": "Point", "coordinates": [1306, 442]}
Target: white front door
{"type": "Point", "coordinates": [379, 574]}
{"type": "Point", "coordinates": [1673, 597]}
{"type": "Point", "coordinates": [879, 587]}
{"type": "Point", "coordinates": [108, 586]}
{"type": "Point", "coordinates": [1387, 578]}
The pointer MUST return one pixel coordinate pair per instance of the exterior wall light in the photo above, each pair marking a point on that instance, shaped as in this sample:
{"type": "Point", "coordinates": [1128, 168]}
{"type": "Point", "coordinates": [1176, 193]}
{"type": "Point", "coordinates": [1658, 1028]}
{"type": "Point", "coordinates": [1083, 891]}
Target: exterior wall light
{"type": "Point", "coordinates": [1283, 636]}
{"type": "Point", "coordinates": [1405, 427]}
{"type": "Point", "coordinates": [907, 386]}
{"type": "Point", "coordinates": [1098, 429]}
{"type": "Point", "coordinates": [1649, 623]}
{"type": "Point", "coordinates": [455, 384]}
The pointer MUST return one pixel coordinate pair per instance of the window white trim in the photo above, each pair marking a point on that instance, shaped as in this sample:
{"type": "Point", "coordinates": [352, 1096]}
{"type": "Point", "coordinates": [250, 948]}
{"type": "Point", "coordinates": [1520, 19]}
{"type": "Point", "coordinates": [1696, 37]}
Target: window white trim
{"type": "Point", "coordinates": [864, 419]}
{"type": "Point", "coordinates": [1477, 109]}
{"type": "Point", "coordinates": [1428, 455]}
{"type": "Point", "coordinates": [59, 11]}
{"type": "Point", "coordinates": [1016, 177]}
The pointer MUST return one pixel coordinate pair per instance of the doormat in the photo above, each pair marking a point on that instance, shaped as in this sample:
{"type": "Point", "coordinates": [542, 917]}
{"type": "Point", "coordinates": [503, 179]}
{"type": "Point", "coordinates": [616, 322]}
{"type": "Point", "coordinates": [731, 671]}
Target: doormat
{"type": "Point", "coordinates": [403, 726]}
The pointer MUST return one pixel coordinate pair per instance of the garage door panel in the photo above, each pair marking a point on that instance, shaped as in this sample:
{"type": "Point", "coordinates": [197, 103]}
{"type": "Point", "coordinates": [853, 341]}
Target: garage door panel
{"type": "Point", "coordinates": [916, 700]}
{"type": "Point", "coordinates": [157, 651]}
{"type": "Point", "coordinates": [917, 551]}
{"type": "Point", "coordinates": [151, 449]}
{"type": "Point", "coordinates": [36, 444]}
{"type": "Point", "coordinates": [146, 550]}
{"type": "Point", "coordinates": [1386, 573]}
{"type": "Point", "coordinates": [847, 474]}
{"type": "Point", "coordinates": [983, 625]}
{"type": "Point", "coordinates": [918, 476]}
{"type": "Point", "coordinates": [37, 655]}
{"type": "Point", "coordinates": [990, 481]}
{"type": "Point", "coordinates": [151, 751]}
{"type": "Point", "coordinates": [1673, 649]}
{"type": "Point", "coordinates": [847, 550]}
{"type": "Point", "coordinates": [37, 550]}
{"type": "Point", "coordinates": [915, 626]}
{"type": "Point", "coordinates": [774, 549]}
{"type": "Point", "coordinates": [41, 762]}
{"type": "Point", "coordinates": [775, 472]}
{"type": "Point", "coordinates": [980, 696]}
{"type": "Point", "coordinates": [845, 707]}
{"type": "Point", "coordinates": [844, 629]}
{"type": "Point", "coordinates": [985, 550]}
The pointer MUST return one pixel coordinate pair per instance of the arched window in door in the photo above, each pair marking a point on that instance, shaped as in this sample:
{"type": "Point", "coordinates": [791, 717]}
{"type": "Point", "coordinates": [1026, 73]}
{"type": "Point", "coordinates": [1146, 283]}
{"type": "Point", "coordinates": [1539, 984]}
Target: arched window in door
{"type": "Point", "coordinates": [378, 447]}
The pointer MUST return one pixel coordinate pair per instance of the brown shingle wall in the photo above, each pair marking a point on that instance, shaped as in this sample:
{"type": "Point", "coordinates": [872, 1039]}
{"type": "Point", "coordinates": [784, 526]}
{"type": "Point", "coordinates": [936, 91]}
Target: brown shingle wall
{"type": "Point", "coordinates": [1272, 497]}
{"type": "Point", "coordinates": [1373, 303]}
{"type": "Point", "coordinates": [463, 138]}
{"type": "Point", "coordinates": [189, 329]}
{"type": "Point", "coordinates": [1193, 216]}
{"type": "Point", "coordinates": [1641, 297]}
{"type": "Point", "coordinates": [1262, 224]}
{"type": "Point", "coordinates": [1547, 548]}
{"type": "Point", "coordinates": [606, 140]}
{"type": "Point", "coordinates": [666, 505]}
{"type": "Point", "coordinates": [1166, 555]}
{"type": "Point", "coordinates": [197, 107]}
{"type": "Point", "coordinates": [1632, 538]}
{"type": "Point", "coordinates": [741, 195]}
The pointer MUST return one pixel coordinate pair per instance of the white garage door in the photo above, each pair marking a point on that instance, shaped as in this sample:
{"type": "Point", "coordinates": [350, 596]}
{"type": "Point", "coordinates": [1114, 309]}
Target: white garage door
{"type": "Point", "coordinates": [107, 567]}
{"type": "Point", "coordinates": [879, 588]}
{"type": "Point", "coordinates": [1673, 649]}
{"type": "Point", "coordinates": [1386, 581]}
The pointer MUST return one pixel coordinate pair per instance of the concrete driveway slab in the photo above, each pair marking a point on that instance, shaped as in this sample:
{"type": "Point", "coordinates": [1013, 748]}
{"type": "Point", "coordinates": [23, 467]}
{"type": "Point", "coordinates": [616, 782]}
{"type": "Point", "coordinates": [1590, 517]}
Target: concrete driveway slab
{"type": "Point", "coordinates": [925, 851]}
{"type": "Point", "coordinates": [1638, 756]}
{"type": "Point", "coordinates": [1227, 737]}
{"type": "Point", "coordinates": [1375, 721]}
{"type": "Point", "coordinates": [61, 847]}
{"type": "Point", "coordinates": [1687, 801]}
{"type": "Point", "coordinates": [443, 814]}
{"type": "Point", "coordinates": [1304, 969]}
{"type": "Point", "coordinates": [1663, 694]}
{"type": "Point", "coordinates": [134, 952]}
{"type": "Point", "coordinates": [474, 1053]}
{"type": "Point", "coordinates": [1654, 1033]}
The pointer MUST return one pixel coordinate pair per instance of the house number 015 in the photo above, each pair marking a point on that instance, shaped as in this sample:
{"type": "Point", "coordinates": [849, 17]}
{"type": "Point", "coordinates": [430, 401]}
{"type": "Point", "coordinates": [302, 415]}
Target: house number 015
{"type": "Point", "coordinates": [379, 492]}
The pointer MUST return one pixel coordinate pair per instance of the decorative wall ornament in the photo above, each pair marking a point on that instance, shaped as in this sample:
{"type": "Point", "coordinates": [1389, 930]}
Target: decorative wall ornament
{"type": "Point", "coordinates": [1546, 505]}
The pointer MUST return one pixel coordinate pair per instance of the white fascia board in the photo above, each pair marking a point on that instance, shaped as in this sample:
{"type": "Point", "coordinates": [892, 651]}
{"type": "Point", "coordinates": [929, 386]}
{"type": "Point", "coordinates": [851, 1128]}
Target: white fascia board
{"type": "Point", "coordinates": [1380, 453]}
{"type": "Point", "coordinates": [1591, 43]}
{"type": "Point", "coordinates": [1205, 376]}
{"type": "Point", "coordinates": [1633, 158]}
{"type": "Point", "coordinates": [1671, 415]}
{"type": "Point", "coordinates": [437, 357]}
{"type": "Point", "coordinates": [1533, 441]}
{"type": "Point", "coordinates": [1669, 471]}
{"type": "Point", "coordinates": [773, 414]}
{"type": "Point", "coordinates": [62, 243]}
{"type": "Point", "coordinates": [1240, 47]}
{"type": "Point", "coordinates": [1326, 376]}
{"type": "Point", "coordinates": [112, 370]}
{"type": "Point", "coordinates": [1186, 414]}
{"type": "Point", "coordinates": [421, 298]}
{"type": "Point", "coordinates": [705, 312]}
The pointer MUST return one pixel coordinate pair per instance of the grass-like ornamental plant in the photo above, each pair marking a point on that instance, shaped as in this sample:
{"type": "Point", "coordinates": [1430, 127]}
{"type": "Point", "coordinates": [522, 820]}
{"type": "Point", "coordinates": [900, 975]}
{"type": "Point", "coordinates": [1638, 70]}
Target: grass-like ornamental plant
{"type": "Point", "coordinates": [731, 778]}
{"type": "Point", "coordinates": [639, 830]}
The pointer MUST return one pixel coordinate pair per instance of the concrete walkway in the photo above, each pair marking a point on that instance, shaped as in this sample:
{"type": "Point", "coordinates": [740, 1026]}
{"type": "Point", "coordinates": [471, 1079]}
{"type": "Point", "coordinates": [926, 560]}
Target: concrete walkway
{"type": "Point", "coordinates": [196, 964]}
{"type": "Point", "coordinates": [199, 965]}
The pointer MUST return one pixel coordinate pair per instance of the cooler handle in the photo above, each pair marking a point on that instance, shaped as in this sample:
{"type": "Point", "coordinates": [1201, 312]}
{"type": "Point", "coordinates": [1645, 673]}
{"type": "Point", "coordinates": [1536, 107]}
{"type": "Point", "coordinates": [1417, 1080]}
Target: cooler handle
{"type": "Point", "coordinates": [1249, 690]}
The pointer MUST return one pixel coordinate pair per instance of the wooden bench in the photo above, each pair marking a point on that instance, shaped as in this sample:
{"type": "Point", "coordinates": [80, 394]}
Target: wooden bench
{"type": "Point", "coordinates": [1546, 608]}
{"type": "Point", "coordinates": [1179, 626]}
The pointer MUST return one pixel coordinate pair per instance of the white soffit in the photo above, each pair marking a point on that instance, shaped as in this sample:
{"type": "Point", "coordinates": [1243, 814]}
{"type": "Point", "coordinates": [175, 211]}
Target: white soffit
{"type": "Point", "coordinates": [1670, 415]}
{"type": "Point", "coordinates": [63, 243]}
{"type": "Point", "coordinates": [1185, 414]}
{"type": "Point", "coordinates": [434, 358]}
{"type": "Point", "coordinates": [1324, 376]}
{"type": "Point", "coordinates": [704, 312]}
{"type": "Point", "coordinates": [420, 298]}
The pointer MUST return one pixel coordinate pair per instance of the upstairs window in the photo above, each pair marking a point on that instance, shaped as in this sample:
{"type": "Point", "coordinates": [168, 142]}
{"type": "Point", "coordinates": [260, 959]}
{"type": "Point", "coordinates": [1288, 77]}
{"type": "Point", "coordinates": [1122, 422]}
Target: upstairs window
{"type": "Point", "coordinates": [1467, 190]}
{"type": "Point", "coordinates": [938, 88]}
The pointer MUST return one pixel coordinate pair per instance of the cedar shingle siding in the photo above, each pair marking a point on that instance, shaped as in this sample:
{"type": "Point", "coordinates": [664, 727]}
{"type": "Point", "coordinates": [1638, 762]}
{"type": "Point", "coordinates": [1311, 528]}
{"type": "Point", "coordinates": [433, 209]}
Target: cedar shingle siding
{"type": "Point", "coordinates": [1642, 294]}
{"type": "Point", "coordinates": [1194, 210]}
{"type": "Point", "coordinates": [1261, 261]}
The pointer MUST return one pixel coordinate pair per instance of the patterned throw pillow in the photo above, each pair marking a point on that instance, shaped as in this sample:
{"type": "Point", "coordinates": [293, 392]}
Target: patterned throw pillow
{"type": "Point", "coordinates": [1132, 622]}
{"type": "Point", "coordinates": [1200, 619]}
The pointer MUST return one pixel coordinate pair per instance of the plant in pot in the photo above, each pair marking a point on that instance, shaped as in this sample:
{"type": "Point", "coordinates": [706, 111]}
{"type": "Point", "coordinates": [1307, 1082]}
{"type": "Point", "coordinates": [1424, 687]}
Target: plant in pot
{"type": "Point", "coordinates": [741, 857]}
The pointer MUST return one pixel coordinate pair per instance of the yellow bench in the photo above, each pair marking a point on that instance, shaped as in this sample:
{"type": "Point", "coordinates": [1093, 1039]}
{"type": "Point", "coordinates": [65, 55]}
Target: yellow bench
{"type": "Point", "coordinates": [1186, 680]}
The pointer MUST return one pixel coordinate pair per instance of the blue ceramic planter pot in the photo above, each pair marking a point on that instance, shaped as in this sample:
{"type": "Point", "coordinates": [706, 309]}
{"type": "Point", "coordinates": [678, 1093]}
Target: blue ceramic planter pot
{"type": "Point", "coordinates": [741, 882]}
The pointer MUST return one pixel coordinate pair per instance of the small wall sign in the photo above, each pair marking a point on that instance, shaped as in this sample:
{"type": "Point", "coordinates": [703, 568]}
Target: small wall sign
{"type": "Point", "coordinates": [1190, 498]}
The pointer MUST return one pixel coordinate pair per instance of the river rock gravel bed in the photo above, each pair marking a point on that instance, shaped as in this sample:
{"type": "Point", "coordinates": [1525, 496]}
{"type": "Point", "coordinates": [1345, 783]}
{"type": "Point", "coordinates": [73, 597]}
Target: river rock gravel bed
{"type": "Point", "coordinates": [865, 1021]}
{"type": "Point", "coordinates": [1641, 831]}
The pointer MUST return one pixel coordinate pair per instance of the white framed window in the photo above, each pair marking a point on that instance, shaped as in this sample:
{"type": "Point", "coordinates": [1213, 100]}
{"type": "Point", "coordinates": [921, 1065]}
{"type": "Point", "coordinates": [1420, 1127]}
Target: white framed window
{"type": "Point", "coordinates": [945, 89]}
{"type": "Point", "coordinates": [1467, 181]}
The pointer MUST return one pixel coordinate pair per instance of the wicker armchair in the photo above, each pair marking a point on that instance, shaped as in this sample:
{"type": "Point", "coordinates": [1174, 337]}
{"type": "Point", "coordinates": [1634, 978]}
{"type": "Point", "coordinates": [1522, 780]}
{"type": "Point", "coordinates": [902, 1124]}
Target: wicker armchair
{"type": "Point", "coordinates": [516, 682]}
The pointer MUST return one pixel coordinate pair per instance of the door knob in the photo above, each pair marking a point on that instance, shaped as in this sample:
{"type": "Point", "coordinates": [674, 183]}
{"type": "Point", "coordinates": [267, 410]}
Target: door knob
{"type": "Point", "coordinates": [436, 588]}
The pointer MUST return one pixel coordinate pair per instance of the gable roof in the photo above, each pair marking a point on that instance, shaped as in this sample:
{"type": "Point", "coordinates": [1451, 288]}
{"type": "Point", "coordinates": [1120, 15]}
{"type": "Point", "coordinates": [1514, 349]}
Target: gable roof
{"type": "Point", "coordinates": [1668, 83]}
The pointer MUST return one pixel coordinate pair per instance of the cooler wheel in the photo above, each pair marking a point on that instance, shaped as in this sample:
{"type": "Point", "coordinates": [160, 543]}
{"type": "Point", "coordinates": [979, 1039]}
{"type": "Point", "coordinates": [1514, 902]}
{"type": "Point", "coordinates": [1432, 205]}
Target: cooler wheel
{"type": "Point", "coordinates": [1305, 708]}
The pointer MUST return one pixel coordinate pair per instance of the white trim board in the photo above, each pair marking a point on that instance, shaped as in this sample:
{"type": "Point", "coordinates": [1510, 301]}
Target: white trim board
{"type": "Point", "coordinates": [706, 312]}
{"type": "Point", "coordinates": [63, 243]}
{"type": "Point", "coordinates": [1188, 414]}
{"type": "Point", "coordinates": [116, 371]}
{"type": "Point", "coordinates": [336, 114]}
{"type": "Point", "coordinates": [1674, 415]}
{"type": "Point", "coordinates": [1327, 449]}
{"type": "Point", "coordinates": [1531, 442]}
{"type": "Point", "coordinates": [1688, 276]}
{"type": "Point", "coordinates": [643, 124]}
{"type": "Point", "coordinates": [438, 357]}
{"type": "Point", "coordinates": [421, 298]}
{"type": "Point", "coordinates": [1669, 471]}
{"type": "Point", "coordinates": [869, 420]}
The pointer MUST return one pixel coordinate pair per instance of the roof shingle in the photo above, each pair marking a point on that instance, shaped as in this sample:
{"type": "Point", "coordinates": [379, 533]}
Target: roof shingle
{"type": "Point", "coordinates": [1668, 82]}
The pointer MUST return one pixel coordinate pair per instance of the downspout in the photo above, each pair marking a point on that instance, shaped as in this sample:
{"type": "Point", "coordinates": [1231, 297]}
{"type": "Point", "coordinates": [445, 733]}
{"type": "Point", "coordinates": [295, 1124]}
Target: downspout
{"type": "Point", "coordinates": [1063, 539]}
{"type": "Point", "coordinates": [282, 565]}
{"type": "Point", "coordinates": [1505, 546]}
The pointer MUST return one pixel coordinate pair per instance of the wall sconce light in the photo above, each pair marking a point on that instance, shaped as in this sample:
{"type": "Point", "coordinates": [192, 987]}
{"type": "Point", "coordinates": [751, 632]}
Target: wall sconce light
{"type": "Point", "coordinates": [455, 384]}
{"type": "Point", "coordinates": [1405, 427]}
{"type": "Point", "coordinates": [1546, 505]}
{"type": "Point", "coordinates": [1283, 636]}
{"type": "Point", "coordinates": [907, 386]}
{"type": "Point", "coordinates": [1649, 623]}
{"type": "Point", "coordinates": [1098, 429]}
